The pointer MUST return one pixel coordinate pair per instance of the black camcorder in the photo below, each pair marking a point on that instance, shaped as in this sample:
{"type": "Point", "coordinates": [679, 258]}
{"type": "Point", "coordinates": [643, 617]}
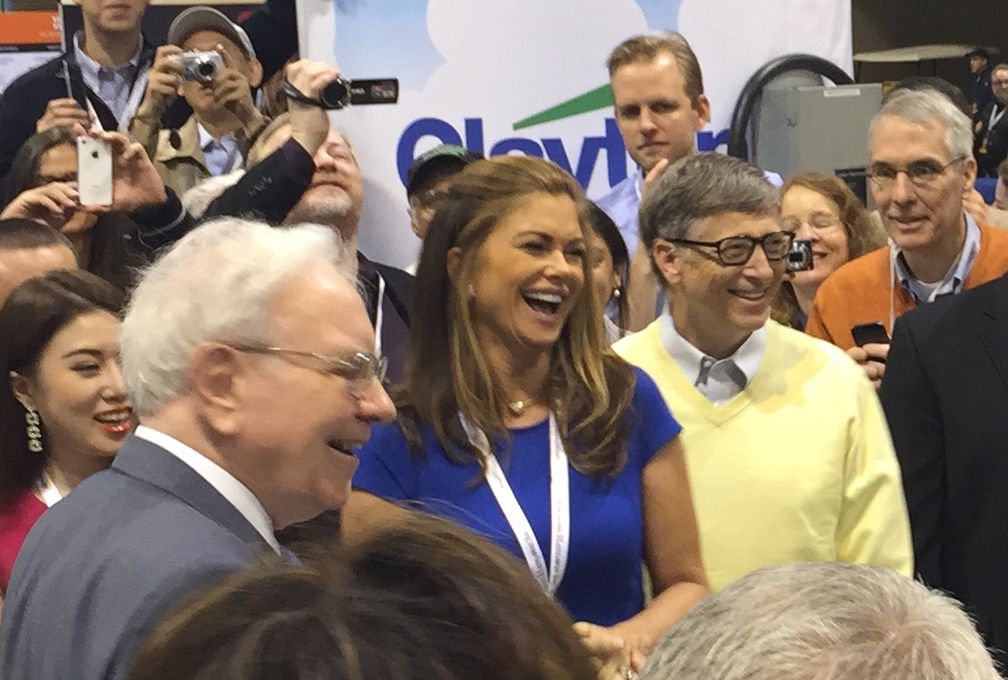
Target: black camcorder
{"type": "Point", "coordinates": [342, 93]}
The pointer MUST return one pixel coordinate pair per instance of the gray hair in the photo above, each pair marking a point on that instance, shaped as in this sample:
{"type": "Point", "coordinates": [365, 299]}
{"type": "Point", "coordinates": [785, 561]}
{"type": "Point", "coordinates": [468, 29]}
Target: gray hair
{"type": "Point", "coordinates": [199, 197]}
{"type": "Point", "coordinates": [823, 621]}
{"type": "Point", "coordinates": [215, 284]}
{"type": "Point", "coordinates": [700, 186]}
{"type": "Point", "coordinates": [930, 107]}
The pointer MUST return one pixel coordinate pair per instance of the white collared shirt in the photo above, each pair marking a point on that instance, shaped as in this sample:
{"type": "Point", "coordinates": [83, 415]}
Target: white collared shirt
{"type": "Point", "coordinates": [954, 278]}
{"type": "Point", "coordinates": [113, 85]}
{"type": "Point", "coordinates": [220, 156]}
{"type": "Point", "coordinates": [727, 377]}
{"type": "Point", "coordinates": [236, 493]}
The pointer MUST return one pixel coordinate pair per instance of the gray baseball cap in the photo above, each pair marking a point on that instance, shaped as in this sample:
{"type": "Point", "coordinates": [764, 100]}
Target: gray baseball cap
{"type": "Point", "coordinates": [208, 19]}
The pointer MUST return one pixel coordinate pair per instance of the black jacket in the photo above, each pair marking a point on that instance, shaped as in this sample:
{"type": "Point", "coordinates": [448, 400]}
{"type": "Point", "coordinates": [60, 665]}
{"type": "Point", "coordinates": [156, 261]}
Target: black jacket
{"type": "Point", "coordinates": [945, 394]}
{"type": "Point", "coordinates": [991, 145]}
{"type": "Point", "coordinates": [25, 100]}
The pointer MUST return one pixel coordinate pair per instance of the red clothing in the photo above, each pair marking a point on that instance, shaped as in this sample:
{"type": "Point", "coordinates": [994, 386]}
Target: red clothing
{"type": "Point", "coordinates": [858, 292]}
{"type": "Point", "coordinates": [15, 523]}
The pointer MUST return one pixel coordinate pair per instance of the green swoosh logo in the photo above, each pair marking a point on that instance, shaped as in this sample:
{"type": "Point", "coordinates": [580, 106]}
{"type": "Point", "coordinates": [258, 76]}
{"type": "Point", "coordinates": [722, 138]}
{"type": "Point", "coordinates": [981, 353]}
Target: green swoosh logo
{"type": "Point", "coordinates": [599, 98]}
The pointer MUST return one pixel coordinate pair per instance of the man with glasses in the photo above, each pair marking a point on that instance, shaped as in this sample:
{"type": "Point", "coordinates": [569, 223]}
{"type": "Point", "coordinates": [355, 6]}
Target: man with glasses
{"type": "Point", "coordinates": [788, 452]}
{"type": "Point", "coordinates": [992, 132]}
{"type": "Point", "coordinates": [251, 404]}
{"type": "Point", "coordinates": [920, 168]}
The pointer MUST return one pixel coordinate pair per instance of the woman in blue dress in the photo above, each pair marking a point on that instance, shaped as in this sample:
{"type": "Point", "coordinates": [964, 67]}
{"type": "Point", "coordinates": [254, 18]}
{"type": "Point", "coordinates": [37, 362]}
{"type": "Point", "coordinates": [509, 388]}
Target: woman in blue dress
{"type": "Point", "coordinates": [517, 421]}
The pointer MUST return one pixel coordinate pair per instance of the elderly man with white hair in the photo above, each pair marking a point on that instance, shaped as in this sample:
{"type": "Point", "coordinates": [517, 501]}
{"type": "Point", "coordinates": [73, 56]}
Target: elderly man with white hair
{"type": "Point", "coordinates": [823, 621]}
{"type": "Point", "coordinates": [251, 404]}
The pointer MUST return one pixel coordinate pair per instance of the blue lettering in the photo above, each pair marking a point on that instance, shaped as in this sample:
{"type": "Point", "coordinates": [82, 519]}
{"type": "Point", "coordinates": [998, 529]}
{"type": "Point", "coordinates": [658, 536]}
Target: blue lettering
{"type": "Point", "coordinates": [474, 135]}
{"type": "Point", "coordinates": [417, 130]}
{"type": "Point", "coordinates": [526, 146]}
{"type": "Point", "coordinates": [708, 141]}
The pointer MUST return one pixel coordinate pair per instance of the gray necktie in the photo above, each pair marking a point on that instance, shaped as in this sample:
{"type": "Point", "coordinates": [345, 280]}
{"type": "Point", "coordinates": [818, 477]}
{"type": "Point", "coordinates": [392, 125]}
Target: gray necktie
{"type": "Point", "coordinates": [705, 367]}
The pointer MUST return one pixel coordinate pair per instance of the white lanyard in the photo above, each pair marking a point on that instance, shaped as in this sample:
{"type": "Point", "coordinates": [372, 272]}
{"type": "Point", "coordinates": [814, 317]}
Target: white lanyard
{"type": "Point", "coordinates": [995, 118]}
{"type": "Point", "coordinates": [379, 316]}
{"type": "Point", "coordinates": [47, 490]}
{"type": "Point", "coordinates": [559, 501]}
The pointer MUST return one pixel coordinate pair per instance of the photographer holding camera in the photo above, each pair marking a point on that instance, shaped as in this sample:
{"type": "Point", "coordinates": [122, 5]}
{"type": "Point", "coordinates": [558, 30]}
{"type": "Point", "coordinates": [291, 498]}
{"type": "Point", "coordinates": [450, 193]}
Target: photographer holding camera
{"type": "Point", "coordinates": [211, 62]}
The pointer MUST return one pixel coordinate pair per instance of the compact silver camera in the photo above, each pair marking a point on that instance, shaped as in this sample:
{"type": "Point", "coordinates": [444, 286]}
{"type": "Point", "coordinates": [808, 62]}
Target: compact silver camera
{"type": "Point", "coordinates": [799, 258]}
{"type": "Point", "coordinates": [201, 66]}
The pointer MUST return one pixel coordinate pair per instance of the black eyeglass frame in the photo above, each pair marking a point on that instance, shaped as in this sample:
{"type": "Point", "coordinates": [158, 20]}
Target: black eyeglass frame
{"type": "Point", "coordinates": [750, 241]}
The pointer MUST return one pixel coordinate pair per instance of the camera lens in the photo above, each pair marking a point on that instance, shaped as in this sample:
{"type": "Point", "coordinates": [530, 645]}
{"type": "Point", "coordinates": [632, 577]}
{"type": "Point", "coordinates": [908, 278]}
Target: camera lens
{"type": "Point", "coordinates": [336, 94]}
{"type": "Point", "coordinates": [206, 69]}
{"type": "Point", "coordinates": [94, 154]}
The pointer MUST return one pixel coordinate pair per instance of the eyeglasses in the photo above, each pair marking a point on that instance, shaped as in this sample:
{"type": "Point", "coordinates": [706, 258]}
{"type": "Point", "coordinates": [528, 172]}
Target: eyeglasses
{"type": "Point", "coordinates": [359, 368]}
{"type": "Point", "coordinates": [922, 174]}
{"type": "Point", "coordinates": [818, 221]}
{"type": "Point", "coordinates": [427, 200]}
{"type": "Point", "coordinates": [736, 250]}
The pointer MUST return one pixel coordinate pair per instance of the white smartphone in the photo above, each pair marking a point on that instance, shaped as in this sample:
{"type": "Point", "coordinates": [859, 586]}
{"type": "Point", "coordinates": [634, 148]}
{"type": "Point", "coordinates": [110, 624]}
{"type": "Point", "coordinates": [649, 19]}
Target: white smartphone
{"type": "Point", "coordinates": [94, 171]}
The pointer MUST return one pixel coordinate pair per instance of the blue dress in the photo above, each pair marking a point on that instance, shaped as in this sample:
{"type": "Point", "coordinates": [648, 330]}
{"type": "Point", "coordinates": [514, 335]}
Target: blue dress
{"type": "Point", "coordinates": [602, 582]}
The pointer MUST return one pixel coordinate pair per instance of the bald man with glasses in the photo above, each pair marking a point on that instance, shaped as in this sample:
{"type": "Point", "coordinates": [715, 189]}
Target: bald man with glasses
{"type": "Point", "coordinates": [921, 168]}
{"type": "Point", "coordinates": [788, 452]}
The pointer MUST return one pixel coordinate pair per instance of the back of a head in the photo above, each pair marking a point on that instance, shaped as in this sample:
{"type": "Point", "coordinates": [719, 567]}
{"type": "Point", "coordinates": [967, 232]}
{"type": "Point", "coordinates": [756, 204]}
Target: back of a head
{"type": "Point", "coordinates": [940, 85]}
{"type": "Point", "coordinates": [823, 621]}
{"type": "Point", "coordinates": [22, 234]}
{"type": "Point", "coordinates": [425, 601]}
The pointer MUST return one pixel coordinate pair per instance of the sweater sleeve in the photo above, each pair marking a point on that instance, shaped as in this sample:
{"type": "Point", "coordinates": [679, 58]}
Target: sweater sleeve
{"type": "Point", "coordinates": [874, 527]}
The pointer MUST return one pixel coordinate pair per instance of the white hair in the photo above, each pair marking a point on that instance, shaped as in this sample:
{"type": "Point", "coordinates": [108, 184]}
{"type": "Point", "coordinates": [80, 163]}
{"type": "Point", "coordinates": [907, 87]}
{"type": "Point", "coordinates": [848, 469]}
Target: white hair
{"type": "Point", "coordinates": [215, 284]}
{"type": "Point", "coordinates": [823, 621]}
{"type": "Point", "coordinates": [930, 107]}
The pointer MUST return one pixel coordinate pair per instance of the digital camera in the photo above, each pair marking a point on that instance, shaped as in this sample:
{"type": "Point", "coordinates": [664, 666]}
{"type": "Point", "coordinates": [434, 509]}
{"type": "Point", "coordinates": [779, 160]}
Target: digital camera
{"type": "Point", "coordinates": [799, 258]}
{"type": "Point", "coordinates": [201, 66]}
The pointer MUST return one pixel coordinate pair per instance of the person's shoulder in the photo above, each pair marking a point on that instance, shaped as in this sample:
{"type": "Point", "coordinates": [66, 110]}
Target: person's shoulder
{"type": "Point", "coordinates": [863, 273]}
{"type": "Point", "coordinates": [945, 317]}
{"type": "Point", "coordinates": [796, 343]}
{"type": "Point", "coordinates": [30, 82]}
{"type": "Point", "coordinates": [619, 194]}
{"type": "Point", "coordinates": [635, 346]}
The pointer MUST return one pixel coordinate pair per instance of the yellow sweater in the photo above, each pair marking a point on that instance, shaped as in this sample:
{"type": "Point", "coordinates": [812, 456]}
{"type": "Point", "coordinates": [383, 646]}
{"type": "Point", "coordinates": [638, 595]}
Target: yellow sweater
{"type": "Point", "coordinates": [797, 467]}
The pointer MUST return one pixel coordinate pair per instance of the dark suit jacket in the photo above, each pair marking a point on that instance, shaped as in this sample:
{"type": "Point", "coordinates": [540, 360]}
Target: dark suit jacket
{"type": "Point", "coordinates": [101, 567]}
{"type": "Point", "coordinates": [945, 394]}
{"type": "Point", "coordinates": [997, 141]}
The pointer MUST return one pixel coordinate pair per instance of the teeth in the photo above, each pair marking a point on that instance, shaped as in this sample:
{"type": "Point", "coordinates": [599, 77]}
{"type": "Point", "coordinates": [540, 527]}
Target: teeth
{"type": "Point", "coordinates": [118, 417]}
{"type": "Point", "coordinates": [551, 298]}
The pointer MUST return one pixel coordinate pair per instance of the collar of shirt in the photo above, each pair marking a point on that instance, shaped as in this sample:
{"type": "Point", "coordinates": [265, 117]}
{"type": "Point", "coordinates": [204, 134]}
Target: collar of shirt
{"type": "Point", "coordinates": [90, 68]}
{"type": "Point", "coordinates": [219, 154]}
{"type": "Point", "coordinates": [954, 277]}
{"type": "Point", "coordinates": [236, 493]}
{"type": "Point", "coordinates": [721, 382]}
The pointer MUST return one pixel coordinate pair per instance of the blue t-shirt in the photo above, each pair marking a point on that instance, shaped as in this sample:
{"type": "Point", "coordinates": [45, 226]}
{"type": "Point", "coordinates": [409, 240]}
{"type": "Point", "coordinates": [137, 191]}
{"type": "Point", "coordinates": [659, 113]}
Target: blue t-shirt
{"type": "Point", "coordinates": [602, 582]}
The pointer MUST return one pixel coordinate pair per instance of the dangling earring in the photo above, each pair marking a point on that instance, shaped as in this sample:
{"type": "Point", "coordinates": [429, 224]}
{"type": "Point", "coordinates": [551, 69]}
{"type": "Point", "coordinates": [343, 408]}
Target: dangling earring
{"type": "Point", "coordinates": [616, 292]}
{"type": "Point", "coordinates": [472, 292]}
{"type": "Point", "coordinates": [34, 431]}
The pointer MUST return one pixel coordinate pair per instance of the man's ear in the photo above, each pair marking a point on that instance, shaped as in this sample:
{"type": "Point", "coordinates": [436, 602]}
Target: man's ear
{"type": "Point", "coordinates": [255, 76]}
{"type": "Point", "coordinates": [702, 107]}
{"type": "Point", "coordinates": [667, 260]}
{"type": "Point", "coordinates": [970, 173]}
{"type": "Point", "coordinates": [23, 390]}
{"type": "Point", "coordinates": [217, 376]}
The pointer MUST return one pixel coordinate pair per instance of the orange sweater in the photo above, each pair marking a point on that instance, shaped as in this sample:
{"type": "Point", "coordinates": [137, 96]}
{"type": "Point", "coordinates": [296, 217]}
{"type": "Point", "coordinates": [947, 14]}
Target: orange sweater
{"type": "Point", "coordinates": [858, 292]}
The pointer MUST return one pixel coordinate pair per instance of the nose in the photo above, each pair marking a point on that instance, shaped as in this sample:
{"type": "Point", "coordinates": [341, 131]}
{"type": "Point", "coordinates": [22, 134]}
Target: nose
{"type": "Point", "coordinates": [902, 190]}
{"type": "Point", "coordinates": [374, 404]}
{"type": "Point", "coordinates": [806, 232]}
{"type": "Point", "coordinates": [758, 265]}
{"type": "Point", "coordinates": [560, 265]}
{"type": "Point", "coordinates": [114, 389]}
{"type": "Point", "coordinates": [646, 121]}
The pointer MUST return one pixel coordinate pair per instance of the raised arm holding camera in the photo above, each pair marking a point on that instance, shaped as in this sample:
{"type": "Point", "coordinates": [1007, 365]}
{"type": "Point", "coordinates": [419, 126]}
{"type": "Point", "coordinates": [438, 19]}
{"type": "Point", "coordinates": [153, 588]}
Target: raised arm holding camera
{"type": "Point", "coordinates": [211, 62]}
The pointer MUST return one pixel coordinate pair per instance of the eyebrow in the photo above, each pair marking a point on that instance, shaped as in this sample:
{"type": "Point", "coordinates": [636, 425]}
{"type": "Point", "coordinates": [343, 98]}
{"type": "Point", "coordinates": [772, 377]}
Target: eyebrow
{"type": "Point", "coordinates": [96, 353]}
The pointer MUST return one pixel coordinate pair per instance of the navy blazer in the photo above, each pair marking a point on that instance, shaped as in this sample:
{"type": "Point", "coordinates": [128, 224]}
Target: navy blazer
{"type": "Point", "coordinates": [102, 567]}
{"type": "Point", "coordinates": [945, 394]}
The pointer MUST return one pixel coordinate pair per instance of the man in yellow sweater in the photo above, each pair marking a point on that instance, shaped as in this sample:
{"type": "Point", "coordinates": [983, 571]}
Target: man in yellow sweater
{"type": "Point", "coordinates": [921, 167]}
{"type": "Point", "coordinates": [788, 452]}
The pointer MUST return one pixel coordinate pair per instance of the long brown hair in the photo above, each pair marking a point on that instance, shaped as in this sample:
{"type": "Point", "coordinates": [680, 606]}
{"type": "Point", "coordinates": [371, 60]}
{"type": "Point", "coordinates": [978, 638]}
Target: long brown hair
{"type": "Point", "coordinates": [591, 388]}
{"type": "Point", "coordinates": [863, 233]}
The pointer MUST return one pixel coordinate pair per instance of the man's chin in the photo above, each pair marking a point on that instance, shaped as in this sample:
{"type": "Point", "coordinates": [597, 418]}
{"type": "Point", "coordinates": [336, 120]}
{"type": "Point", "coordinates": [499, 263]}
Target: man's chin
{"type": "Point", "coordinates": [327, 211]}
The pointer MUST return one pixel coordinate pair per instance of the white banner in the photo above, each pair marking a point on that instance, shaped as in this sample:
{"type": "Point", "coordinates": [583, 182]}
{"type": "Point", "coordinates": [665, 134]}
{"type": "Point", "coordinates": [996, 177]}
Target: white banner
{"type": "Point", "coordinates": [528, 76]}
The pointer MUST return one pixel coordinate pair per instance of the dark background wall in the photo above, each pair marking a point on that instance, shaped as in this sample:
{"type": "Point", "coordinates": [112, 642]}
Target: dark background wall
{"type": "Point", "coordinates": [886, 24]}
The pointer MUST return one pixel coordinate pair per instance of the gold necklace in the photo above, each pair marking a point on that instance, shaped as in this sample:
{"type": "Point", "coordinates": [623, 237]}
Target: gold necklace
{"type": "Point", "coordinates": [518, 407]}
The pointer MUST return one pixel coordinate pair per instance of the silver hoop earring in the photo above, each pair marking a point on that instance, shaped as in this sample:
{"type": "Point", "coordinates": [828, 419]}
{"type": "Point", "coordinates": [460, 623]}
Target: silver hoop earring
{"type": "Point", "coordinates": [34, 431]}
